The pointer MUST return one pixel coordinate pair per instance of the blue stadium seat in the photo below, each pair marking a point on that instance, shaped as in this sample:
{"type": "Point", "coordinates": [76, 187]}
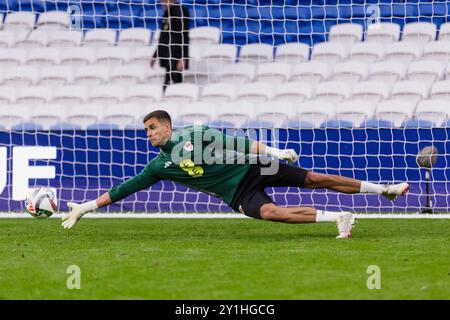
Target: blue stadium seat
{"type": "Point", "coordinates": [103, 126]}
{"type": "Point", "coordinates": [374, 123]}
{"type": "Point", "coordinates": [27, 126]}
{"type": "Point", "coordinates": [65, 126]}
{"type": "Point", "coordinates": [298, 124]}
{"type": "Point", "coordinates": [337, 124]}
{"type": "Point", "coordinates": [416, 123]}
{"type": "Point", "coordinates": [256, 124]}
{"type": "Point", "coordinates": [219, 124]}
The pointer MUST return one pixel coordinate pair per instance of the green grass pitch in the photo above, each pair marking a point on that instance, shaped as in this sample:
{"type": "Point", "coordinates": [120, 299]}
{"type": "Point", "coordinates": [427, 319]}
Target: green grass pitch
{"type": "Point", "coordinates": [223, 259]}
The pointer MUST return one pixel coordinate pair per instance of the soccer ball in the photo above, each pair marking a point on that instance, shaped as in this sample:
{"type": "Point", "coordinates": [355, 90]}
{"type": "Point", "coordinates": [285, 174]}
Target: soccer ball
{"type": "Point", "coordinates": [427, 157]}
{"type": "Point", "coordinates": [41, 202]}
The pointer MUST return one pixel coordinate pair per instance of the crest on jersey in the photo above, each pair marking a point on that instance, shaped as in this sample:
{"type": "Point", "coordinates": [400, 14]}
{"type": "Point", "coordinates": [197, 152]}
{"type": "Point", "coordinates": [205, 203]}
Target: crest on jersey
{"type": "Point", "coordinates": [188, 146]}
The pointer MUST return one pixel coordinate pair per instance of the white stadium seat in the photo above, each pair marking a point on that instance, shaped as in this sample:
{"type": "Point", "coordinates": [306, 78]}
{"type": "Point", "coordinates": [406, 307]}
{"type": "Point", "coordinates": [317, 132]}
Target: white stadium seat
{"type": "Point", "coordinates": [292, 52]}
{"type": "Point", "coordinates": [91, 75]}
{"type": "Point", "coordinates": [332, 91]}
{"type": "Point", "coordinates": [8, 95]}
{"type": "Point", "coordinates": [43, 57]}
{"type": "Point", "coordinates": [420, 32]}
{"type": "Point", "coordinates": [444, 32]}
{"type": "Point", "coordinates": [70, 95]}
{"type": "Point", "coordinates": [387, 71]}
{"type": "Point", "coordinates": [113, 56]}
{"type": "Point", "coordinates": [273, 72]}
{"type": "Point", "coordinates": [134, 37]}
{"type": "Point", "coordinates": [346, 33]}
{"type": "Point", "coordinates": [396, 111]}
{"type": "Point", "coordinates": [34, 95]}
{"type": "Point", "coordinates": [198, 113]}
{"type": "Point", "coordinates": [65, 38]}
{"type": "Point", "coordinates": [204, 36]}
{"type": "Point", "coordinates": [434, 110]}
{"type": "Point", "coordinates": [440, 90]}
{"type": "Point", "coordinates": [12, 115]}
{"type": "Point", "coordinates": [122, 114]}
{"type": "Point", "coordinates": [35, 39]}
{"type": "Point", "coordinates": [355, 111]}
{"type": "Point", "coordinates": [403, 51]}
{"type": "Point", "coordinates": [128, 75]}
{"type": "Point", "coordinates": [236, 112]}
{"type": "Point", "coordinates": [107, 94]}
{"type": "Point", "coordinates": [78, 56]}
{"type": "Point", "coordinates": [19, 20]}
{"type": "Point", "coordinates": [21, 76]}
{"type": "Point", "coordinates": [84, 114]}
{"type": "Point", "coordinates": [220, 54]}
{"type": "Point", "coordinates": [142, 55]}
{"type": "Point", "coordinates": [100, 37]}
{"type": "Point", "coordinates": [218, 92]}
{"type": "Point", "coordinates": [438, 51]}
{"type": "Point", "coordinates": [310, 71]}
{"type": "Point", "coordinates": [350, 71]}
{"type": "Point", "coordinates": [315, 112]}
{"type": "Point", "coordinates": [410, 91]}
{"type": "Point", "coordinates": [367, 52]}
{"type": "Point", "coordinates": [155, 75]}
{"type": "Point", "coordinates": [426, 71]}
{"type": "Point", "coordinates": [181, 92]}
{"type": "Point", "coordinates": [56, 76]}
{"type": "Point", "coordinates": [384, 32]}
{"type": "Point", "coordinates": [12, 57]}
{"type": "Point", "coordinates": [255, 92]}
{"type": "Point", "coordinates": [143, 94]}
{"type": "Point", "coordinates": [276, 112]}
{"type": "Point", "coordinates": [54, 20]}
{"type": "Point", "coordinates": [9, 38]}
{"type": "Point", "coordinates": [329, 52]}
{"type": "Point", "coordinates": [48, 115]}
{"type": "Point", "coordinates": [237, 73]}
{"type": "Point", "coordinates": [293, 92]}
{"type": "Point", "coordinates": [256, 53]}
{"type": "Point", "coordinates": [371, 91]}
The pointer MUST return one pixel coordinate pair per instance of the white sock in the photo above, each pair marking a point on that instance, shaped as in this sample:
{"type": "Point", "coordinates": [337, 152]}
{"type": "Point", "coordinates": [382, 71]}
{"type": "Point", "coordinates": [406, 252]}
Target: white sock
{"type": "Point", "coordinates": [326, 216]}
{"type": "Point", "coordinates": [368, 187]}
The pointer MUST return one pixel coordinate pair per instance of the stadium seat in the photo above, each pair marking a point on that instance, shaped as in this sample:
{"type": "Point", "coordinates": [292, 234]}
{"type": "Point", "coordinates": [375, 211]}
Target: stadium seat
{"type": "Point", "coordinates": [293, 92]}
{"type": "Point", "coordinates": [440, 90]}
{"type": "Point", "coordinates": [425, 71]}
{"type": "Point", "coordinates": [100, 37]}
{"type": "Point", "coordinates": [258, 124]}
{"type": "Point", "coordinates": [84, 115]}
{"type": "Point", "coordinates": [34, 95]}
{"type": "Point", "coordinates": [395, 111]}
{"type": "Point", "coordinates": [198, 113]}
{"type": "Point", "coordinates": [410, 90]}
{"type": "Point", "coordinates": [236, 113]}
{"type": "Point", "coordinates": [65, 38]}
{"type": "Point", "coordinates": [220, 55]}
{"type": "Point", "coordinates": [48, 116]}
{"type": "Point", "coordinates": [107, 94]}
{"type": "Point", "coordinates": [70, 95]}
{"type": "Point", "coordinates": [127, 75]}
{"type": "Point", "coordinates": [444, 32]}
{"type": "Point", "coordinates": [438, 51]}
{"type": "Point", "coordinates": [254, 92]}
{"type": "Point", "coordinates": [12, 57]}
{"type": "Point", "coordinates": [19, 20]}
{"type": "Point", "coordinates": [113, 56]}
{"type": "Point", "coordinates": [297, 124]}
{"type": "Point", "coordinates": [91, 75]}
{"type": "Point", "coordinates": [13, 115]}
{"type": "Point", "coordinates": [314, 111]}
{"type": "Point", "coordinates": [143, 94]}
{"type": "Point", "coordinates": [388, 72]}
{"type": "Point", "coordinates": [9, 38]}
{"type": "Point", "coordinates": [292, 53]}
{"type": "Point", "coordinates": [77, 56]}
{"type": "Point", "coordinates": [102, 126]}
{"type": "Point", "coordinates": [181, 93]}
{"type": "Point", "coordinates": [21, 76]}
{"type": "Point", "coordinates": [219, 124]}
{"type": "Point", "coordinates": [218, 92]}
{"type": "Point", "coordinates": [56, 76]}
{"type": "Point", "coordinates": [346, 33]}
{"type": "Point", "coordinates": [403, 51]}
{"type": "Point", "coordinates": [350, 71]}
{"type": "Point", "coordinates": [420, 32]}
{"type": "Point", "coordinates": [371, 91]}
{"type": "Point", "coordinates": [204, 36]}
{"type": "Point", "coordinates": [122, 114]}
{"type": "Point", "coordinates": [26, 126]}
{"type": "Point", "coordinates": [416, 124]}
{"type": "Point", "coordinates": [355, 111]}
{"type": "Point", "coordinates": [329, 52]}
{"type": "Point", "coordinates": [336, 124]}
{"type": "Point", "coordinates": [134, 37]}
{"type": "Point", "coordinates": [377, 124]}
{"type": "Point", "coordinates": [274, 112]}
{"type": "Point", "coordinates": [155, 75]}
{"type": "Point", "coordinates": [367, 52]}
{"type": "Point", "coordinates": [256, 53]}
{"type": "Point", "coordinates": [237, 73]}
{"type": "Point", "coordinates": [8, 94]}
{"type": "Point", "coordinates": [65, 126]}
{"type": "Point", "coordinates": [332, 91]}
{"type": "Point", "coordinates": [142, 55]}
{"type": "Point", "coordinates": [273, 72]}
{"type": "Point", "coordinates": [53, 20]}
{"type": "Point", "coordinates": [35, 39]}
{"type": "Point", "coordinates": [310, 72]}
{"type": "Point", "coordinates": [43, 57]}
{"type": "Point", "coordinates": [384, 32]}
{"type": "Point", "coordinates": [434, 110]}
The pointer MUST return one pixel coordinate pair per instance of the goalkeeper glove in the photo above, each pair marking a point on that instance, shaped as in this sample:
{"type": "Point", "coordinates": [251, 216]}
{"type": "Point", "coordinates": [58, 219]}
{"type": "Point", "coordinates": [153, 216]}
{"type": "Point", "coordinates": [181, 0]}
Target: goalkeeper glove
{"type": "Point", "coordinates": [288, 154]}
{"type": "Point", "coordinates": [78, 210]}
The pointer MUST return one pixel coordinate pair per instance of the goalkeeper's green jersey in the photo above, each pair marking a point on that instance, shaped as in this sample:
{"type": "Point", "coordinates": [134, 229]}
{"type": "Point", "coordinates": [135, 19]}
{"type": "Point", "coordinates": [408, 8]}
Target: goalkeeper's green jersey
{"type": "Point", "coordinates": [199, 157]}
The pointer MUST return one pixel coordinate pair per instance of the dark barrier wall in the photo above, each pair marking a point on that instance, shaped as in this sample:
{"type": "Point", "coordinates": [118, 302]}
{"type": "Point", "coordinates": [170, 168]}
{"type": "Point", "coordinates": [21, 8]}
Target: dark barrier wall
{"type": "Point", "coordinates": [89, 163]}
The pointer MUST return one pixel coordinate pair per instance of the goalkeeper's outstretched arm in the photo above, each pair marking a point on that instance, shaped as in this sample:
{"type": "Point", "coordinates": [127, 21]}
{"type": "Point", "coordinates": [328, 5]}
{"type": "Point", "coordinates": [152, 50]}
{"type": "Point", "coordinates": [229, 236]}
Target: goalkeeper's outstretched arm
{"type": "Point", "coordinates": [258, 147]}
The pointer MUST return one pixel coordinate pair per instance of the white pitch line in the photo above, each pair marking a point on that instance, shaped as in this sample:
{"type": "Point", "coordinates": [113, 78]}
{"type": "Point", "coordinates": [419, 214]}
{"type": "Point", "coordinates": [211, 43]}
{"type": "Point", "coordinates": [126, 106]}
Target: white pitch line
{"type": "Point", "coordinates": [225, 215]}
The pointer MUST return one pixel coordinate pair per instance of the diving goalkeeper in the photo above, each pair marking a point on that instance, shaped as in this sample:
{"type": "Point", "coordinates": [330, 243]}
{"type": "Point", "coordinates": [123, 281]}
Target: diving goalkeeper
{"type": "Point", "coordinates": [207, 160]}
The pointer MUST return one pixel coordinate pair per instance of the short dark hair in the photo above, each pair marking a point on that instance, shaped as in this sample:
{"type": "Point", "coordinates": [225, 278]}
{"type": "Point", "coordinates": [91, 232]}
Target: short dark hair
{"type": "Point", "coordinates": [159, 115]}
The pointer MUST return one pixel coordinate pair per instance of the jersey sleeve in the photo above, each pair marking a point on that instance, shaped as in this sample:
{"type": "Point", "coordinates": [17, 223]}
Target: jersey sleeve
{"type": "Point", "coordinates": [142, 181]}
